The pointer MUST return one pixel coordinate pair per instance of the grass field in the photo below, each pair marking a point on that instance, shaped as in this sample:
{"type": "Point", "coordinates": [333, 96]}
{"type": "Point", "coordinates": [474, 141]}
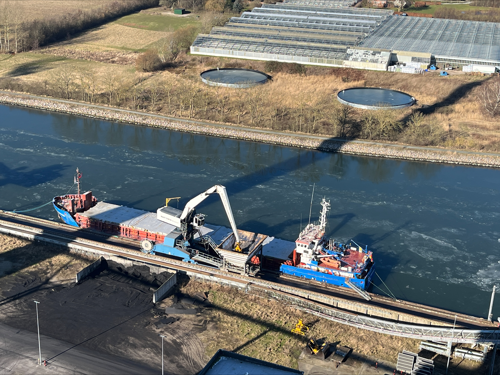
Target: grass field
{"type": "Point", "coordinates": [125, 38]}
{"type": "Point", "coordinates": [39, 9]}
{"type": "Point", "coordinates": [154, 22]}
{"type": "Point", "coordinates": [114, 36]}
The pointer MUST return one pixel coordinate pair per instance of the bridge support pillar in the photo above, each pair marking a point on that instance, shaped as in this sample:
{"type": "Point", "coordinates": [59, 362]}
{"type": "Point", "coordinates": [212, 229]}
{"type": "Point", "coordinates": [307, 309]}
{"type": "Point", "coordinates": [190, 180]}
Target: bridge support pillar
{"type": "Point", "coordinates": [450, 346]}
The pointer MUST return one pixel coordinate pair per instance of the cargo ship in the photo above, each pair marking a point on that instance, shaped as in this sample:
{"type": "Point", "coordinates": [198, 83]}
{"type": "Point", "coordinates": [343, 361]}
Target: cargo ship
{"type": "Point", "coordinates": [317, 258]}
{"type": "Point", "coordinates": [184, 235]}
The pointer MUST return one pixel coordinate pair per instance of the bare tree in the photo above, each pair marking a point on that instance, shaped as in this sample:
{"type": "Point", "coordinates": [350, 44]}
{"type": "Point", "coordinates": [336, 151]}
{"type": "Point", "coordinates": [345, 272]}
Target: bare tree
{"type": "Point", "coordinates": [490, 97]}
{"type": "Point", "coordinates": [380, 124]}
{"type": "Point", "coordinates": [169, 90]}
{"type": "Point", "coordinates": [169, 48]}
{"type": "Point", "coordinates": [215, 5]}
{"type": "Point", "coordinates": [341, 119]}
{"type": "Point", "coordinates": [6, 14]}
{"type": "Point", "coordinates": [92, 80]}
{"type": "Point", "coordinates": [255, 106]}
{"type": "Point", "coordinates": [63, 79]}
{"type": "Point", "coordinates": [81, 77]}
{"type": "Point", "coordinates": [135, 92]}
{"type": "Point", "coordinates": [17, 19]}
{"type": "Point", "coordinates": [111, 82]}
{"type": "Point", "coordinates": [211, 19]}
{"type": "Point", "coordinates": [155, 92]}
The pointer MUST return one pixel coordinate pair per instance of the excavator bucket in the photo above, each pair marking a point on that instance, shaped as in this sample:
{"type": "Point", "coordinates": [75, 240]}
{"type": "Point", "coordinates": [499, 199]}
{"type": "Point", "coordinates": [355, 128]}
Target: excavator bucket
{"type": "Point", "coordinates": [324, 351]}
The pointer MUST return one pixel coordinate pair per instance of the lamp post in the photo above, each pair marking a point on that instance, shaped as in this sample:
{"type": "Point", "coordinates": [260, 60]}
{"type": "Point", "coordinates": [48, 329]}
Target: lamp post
{"type": "Point", "coordinates": [38, 329]}
{"type": "Point", "coordinates": [162, 337]}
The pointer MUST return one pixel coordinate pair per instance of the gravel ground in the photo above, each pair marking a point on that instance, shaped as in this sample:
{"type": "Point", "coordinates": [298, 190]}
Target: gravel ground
{"type": "Point", "coordinates": [227, 131]}
{"type": "Point", "coordinates": [111, 312]}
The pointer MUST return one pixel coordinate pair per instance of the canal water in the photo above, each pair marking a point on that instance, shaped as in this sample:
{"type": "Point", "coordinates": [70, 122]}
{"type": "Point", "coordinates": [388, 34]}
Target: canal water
{"type": "Point", "coordinates": [434, 228]}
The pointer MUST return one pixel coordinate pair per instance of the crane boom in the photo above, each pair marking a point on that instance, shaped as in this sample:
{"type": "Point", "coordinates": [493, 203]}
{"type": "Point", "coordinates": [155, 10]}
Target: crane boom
{"type": "Point", "coordinates": [221, 190]}
{"type": "Point", "coordinates": [186, 219]}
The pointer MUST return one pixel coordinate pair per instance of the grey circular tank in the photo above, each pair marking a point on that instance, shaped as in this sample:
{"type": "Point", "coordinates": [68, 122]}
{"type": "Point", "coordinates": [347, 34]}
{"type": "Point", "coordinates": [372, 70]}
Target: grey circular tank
{"type": "Point", "coordinates": [233, 77]}
{"type": "Point", "coordinates": [375, 98]}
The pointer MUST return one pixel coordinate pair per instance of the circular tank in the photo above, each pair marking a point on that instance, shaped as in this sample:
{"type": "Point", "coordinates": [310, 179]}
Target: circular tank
{"type": "Point", "coordinates": [375, 98]}
{"type": "Point", "coordinates": [233, 77]}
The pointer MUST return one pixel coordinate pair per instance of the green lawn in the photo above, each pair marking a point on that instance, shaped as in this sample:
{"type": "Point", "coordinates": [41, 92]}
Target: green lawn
{"type": "Point", "coordinates": [157, 22]}
{"type": "Point", "coordinates": [431, 9]}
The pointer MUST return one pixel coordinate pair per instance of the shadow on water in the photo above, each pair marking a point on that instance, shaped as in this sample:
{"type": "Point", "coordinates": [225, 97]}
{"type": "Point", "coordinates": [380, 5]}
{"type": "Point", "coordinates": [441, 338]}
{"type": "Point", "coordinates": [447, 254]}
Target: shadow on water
{"type": "Point", "coordinates": [27, 178]}
{"type": "Point", "coordinates": [246, 157]}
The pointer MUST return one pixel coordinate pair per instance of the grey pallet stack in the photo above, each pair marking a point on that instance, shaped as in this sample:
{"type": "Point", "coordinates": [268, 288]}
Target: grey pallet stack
{"type": "Point", "coordinates": [411, 363]}
{"type": "Point", "coordinates": [405, 362]}
{"type": "Point", "coordinates": [423, 366]}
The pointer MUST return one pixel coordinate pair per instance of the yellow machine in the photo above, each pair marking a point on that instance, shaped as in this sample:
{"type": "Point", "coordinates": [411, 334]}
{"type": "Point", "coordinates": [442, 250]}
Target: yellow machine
{"type": "Point", "coordinates": [169, 199]}
{"type": "Point", "coordinates": [320, 350]}
{"type": "Point", "coordinates": [314, 346]}
{"type": "Point", "coordinates": [300, 328]}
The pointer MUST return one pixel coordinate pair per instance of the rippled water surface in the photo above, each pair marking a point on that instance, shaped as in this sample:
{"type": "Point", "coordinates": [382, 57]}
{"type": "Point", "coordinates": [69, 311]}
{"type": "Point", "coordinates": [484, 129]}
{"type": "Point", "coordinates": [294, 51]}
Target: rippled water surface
{"type": "Point", "coordinates": [434, 228]}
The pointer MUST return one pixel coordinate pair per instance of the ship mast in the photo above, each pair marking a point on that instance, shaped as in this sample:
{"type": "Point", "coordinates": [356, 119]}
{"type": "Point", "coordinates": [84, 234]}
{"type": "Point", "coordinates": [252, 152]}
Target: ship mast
{"type": "Point", "coordinates": [77, 179]}
{"type": "Point", "coordinates": [324, 211]}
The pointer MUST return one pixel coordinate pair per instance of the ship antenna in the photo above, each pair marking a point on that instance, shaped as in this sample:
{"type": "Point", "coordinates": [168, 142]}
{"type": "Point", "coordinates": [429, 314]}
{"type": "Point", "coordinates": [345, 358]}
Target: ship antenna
{"type": "Point", "coordinates": [310, 208]}
{"type": "Point", "coordinates": [77, 179]}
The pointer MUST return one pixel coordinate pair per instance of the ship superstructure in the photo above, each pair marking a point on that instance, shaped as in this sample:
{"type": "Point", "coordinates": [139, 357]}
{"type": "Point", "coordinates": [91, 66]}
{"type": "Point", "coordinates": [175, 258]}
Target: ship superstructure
{"type": "Point", "coordinates": [317, 258]}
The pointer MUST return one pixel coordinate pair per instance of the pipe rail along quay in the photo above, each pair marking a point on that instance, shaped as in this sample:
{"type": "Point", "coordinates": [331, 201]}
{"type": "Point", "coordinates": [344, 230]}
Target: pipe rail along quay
{"type": "Point", "coordinates": [381, 314]}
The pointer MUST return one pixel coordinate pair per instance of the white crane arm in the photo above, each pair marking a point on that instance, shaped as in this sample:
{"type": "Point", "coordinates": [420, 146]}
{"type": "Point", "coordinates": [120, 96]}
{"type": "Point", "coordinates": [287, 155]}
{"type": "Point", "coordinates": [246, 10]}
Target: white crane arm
{"type": "Point", "coordinates": [221, 190]}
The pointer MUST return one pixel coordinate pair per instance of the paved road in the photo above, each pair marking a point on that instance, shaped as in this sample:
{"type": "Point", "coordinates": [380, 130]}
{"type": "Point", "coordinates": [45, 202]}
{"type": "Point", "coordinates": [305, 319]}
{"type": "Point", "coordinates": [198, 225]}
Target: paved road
{"type": "Point", "coordinates": [19, 354]}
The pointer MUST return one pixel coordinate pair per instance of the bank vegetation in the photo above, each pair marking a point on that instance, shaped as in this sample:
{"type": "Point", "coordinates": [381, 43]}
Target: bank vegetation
{"type": "Point", "coordinates": [456, 112]}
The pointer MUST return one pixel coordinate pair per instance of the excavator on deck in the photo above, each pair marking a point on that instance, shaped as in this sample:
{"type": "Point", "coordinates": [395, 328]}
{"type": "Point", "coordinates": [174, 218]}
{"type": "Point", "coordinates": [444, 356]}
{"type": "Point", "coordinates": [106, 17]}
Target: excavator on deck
{"type": "Point", "coordinates": [190, 240]}
{"type": "Point", "coordinates": [188, 221]}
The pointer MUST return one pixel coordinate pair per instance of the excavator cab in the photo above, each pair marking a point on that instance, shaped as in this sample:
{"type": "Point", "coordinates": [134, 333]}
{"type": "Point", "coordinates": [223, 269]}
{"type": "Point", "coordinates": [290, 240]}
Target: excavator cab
{"type": "Point", "coordinates": [318, 348]}
{"type": "Point", "coordinates": [199, 220]}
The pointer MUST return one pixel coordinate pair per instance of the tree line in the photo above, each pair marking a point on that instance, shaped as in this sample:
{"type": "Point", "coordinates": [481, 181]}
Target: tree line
{"type": "Point", "coordinates": [18, 34]}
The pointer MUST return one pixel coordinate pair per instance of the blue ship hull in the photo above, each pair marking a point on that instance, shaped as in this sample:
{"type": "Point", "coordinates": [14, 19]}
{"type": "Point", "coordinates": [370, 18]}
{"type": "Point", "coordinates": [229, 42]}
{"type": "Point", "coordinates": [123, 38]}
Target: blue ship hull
{"type": "Point", "coordinates": [65, 216]}
{"type": "Point", "coordinates": [327, 278]}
